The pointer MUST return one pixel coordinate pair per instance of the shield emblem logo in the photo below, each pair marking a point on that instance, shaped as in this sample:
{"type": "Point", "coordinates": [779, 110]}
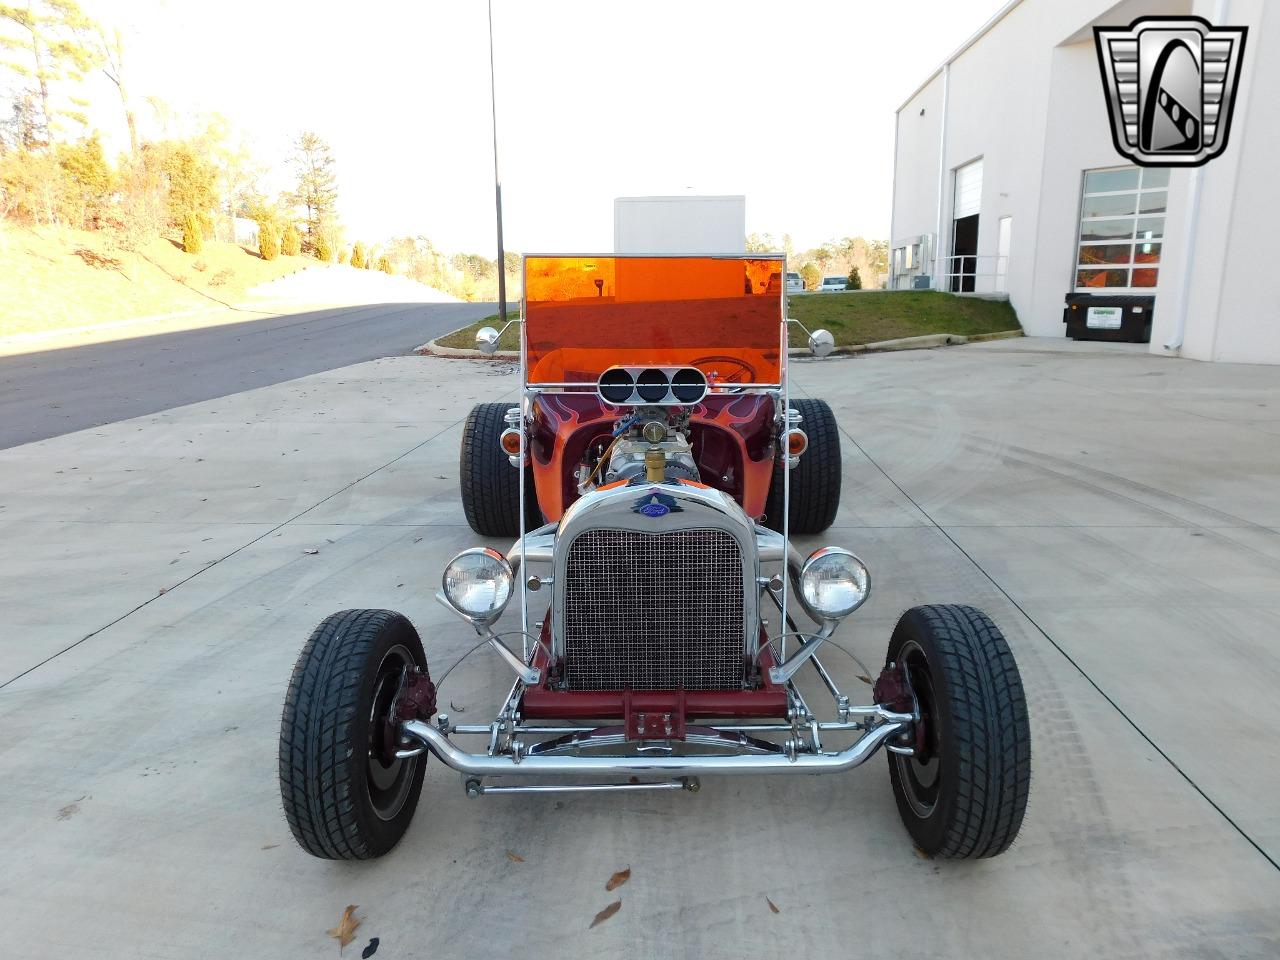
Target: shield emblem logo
{"type": "Point", "coordinates": [655, 504]}
{"type": "Point", "coordinates": [1170, 84]}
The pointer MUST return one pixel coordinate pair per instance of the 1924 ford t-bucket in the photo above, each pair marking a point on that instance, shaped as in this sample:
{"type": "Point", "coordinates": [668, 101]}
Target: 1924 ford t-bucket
{"type": "Point", "coordinates": [652, 473]}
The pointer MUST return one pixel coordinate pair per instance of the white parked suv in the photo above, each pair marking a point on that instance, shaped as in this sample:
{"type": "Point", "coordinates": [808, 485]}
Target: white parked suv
{"type": "Point", "coordinates": [795, 283]}
{"type": "Point", "coordinates": [833, 284]}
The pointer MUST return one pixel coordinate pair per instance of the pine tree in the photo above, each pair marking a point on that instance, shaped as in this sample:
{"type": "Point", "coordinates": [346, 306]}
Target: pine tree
{"type": "Point", "coordinates": [855, 280]}
{"type": "Point", "coordinates": [268, 241]}
{"type": "Point", "coordinates": [192, 233]}
{"type": "Point", "coordinates": [48, 43]}
{"type": "Point", "coordinates": [317, 190]}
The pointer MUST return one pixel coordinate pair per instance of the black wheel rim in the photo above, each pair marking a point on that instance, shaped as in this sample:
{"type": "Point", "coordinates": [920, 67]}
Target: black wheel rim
{"type": "Point", "coordinates": [388, 780]}
{"type": "Point", "coordinates": [921, 775]}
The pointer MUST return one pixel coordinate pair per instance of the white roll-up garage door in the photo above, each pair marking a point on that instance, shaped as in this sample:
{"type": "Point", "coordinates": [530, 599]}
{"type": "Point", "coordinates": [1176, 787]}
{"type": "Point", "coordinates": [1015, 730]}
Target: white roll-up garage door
{"type": "Point", "coordinates": [968, 196]}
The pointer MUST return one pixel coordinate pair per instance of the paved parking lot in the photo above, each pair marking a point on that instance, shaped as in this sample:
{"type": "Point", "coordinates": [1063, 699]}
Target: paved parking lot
{"type": "Point", "coordinates": [1117, 514]}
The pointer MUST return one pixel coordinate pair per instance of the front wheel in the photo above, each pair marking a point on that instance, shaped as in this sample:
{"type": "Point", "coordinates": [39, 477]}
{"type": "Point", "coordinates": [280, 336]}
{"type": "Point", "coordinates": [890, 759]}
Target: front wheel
{"type": "Point", "coordinates": [815, 479]}
{"type": "Point", "coordinates": [345, 795]}
{"type": "Point", "coordinates": [490, 486]}
{"type": "Point", "coordinates": [964, 792]}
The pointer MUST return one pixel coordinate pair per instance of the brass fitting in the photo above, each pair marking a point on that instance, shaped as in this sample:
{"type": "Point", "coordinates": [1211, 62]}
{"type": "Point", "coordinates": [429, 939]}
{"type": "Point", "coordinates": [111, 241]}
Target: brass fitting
{"type": "Point", "coordinates": [655, 465]}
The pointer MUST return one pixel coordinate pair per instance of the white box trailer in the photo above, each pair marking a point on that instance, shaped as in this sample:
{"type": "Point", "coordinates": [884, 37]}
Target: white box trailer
{"type": "Point", "coordinates": [680, 224]}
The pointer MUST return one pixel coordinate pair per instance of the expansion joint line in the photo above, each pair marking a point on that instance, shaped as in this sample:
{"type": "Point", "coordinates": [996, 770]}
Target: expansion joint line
{"type": "Point", "coordinates": [243, 546]}
{"type": "Point", "coordinates": [1066, 656]}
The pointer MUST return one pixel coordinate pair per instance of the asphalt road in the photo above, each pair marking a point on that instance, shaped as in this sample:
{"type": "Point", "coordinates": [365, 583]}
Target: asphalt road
{"type": "Point", "coordinates": [51, 392]}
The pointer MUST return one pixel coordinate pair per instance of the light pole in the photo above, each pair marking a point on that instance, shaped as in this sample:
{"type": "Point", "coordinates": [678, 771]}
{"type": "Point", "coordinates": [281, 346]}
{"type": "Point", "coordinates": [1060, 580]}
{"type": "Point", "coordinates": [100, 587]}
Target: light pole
{"type": "Point", "coordinates": [497, 182]}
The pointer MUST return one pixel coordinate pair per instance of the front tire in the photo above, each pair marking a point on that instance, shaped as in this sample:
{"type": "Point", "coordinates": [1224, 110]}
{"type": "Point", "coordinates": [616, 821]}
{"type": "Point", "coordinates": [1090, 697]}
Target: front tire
{"type": "Point", "coordinates": [964, 795]}
{"type": "Point", "coordinates": [342, 798]}
{"type": "Point", "coordinates": [815, 479]}
{"type": "Point", "coordinates": [490, 484]}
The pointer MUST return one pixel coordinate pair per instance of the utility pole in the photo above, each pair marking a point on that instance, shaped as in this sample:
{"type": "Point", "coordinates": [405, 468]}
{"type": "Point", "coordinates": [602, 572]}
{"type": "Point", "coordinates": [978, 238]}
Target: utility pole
{"type": "Point", "coordinates": [497, 182]}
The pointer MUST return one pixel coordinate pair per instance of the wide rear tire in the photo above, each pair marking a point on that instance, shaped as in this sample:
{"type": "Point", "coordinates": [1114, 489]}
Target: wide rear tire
{"type": "Point", "coordinates": [964, 794]}
{"type": "Point", "coordinates": [342, 800]}
{"type": "Point", "coordinates": [490, 484]}
{"type": "Point", "coordinates": [815, 480]}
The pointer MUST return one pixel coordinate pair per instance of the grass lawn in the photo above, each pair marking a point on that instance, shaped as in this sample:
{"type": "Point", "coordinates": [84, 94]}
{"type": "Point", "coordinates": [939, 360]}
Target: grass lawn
{"type": "Point", "coordinates": [875, 315]}
{"type": "Point", "coordinates": [57, 278]}
{"type": "Point", "coordinates": [466, 337]}
{"type": "Point", "coordinates": [853, 318]}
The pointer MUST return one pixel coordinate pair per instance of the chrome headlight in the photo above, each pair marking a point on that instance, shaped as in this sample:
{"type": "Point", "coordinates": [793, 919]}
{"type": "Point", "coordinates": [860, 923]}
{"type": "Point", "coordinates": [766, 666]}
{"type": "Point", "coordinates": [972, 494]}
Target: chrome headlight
{"type": "Point", "coordinates": [834, 582]}
{"type": "Point", "coordinates": [478, 583]}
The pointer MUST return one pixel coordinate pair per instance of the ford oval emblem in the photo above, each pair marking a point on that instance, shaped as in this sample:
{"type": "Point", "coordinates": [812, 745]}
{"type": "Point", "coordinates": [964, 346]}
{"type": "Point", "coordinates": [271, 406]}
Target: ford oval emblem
{"type": "Point", "coordinates": [656, 504]}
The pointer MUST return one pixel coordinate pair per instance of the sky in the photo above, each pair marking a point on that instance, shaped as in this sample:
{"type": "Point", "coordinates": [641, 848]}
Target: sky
{"type": "Point", "coordinates": [789, 102]}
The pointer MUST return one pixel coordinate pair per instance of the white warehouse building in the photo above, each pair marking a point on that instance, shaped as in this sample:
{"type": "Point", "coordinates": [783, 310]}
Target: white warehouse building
{"type": "Point", "coordinates": [1007, 181]}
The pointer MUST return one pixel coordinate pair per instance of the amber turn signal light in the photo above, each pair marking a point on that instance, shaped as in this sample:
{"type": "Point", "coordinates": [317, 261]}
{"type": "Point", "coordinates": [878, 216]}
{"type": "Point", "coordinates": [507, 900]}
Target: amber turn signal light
{"type": "Point", "coordinates": [797, 442]}
{"type": "Point", "coordinates": [511, 443]}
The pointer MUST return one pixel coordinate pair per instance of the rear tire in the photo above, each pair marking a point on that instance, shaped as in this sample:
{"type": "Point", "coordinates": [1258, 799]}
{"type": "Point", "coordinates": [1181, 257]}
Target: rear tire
{"type": "Point", "coordinates": [964, 794]}
{"type": "Point", "coordinates": [815, 480]}
{"type": "Point", "coordinates": [342, 800]}
{"type": "Point", "coordinates": [490, 485]}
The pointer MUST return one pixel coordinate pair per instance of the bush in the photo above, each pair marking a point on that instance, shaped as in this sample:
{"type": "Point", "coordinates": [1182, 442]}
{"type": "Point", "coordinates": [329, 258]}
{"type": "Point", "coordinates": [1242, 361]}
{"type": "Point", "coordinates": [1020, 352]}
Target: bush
{"type": "Point", "coordinates": [192, 233]}
{"type": "Point", "coordinates": [384, 264]}
{"type": "Point", "coordinates": [358, 256]}
{"type": "Point", "coordinates": [811, 275]}
{"type": "Point", "coordinates": [855, 280]}
{"type": "Point", "coordinates": [291, 241]}
{"type": "Point", "coordinates": [86, 183]}
{"type": "Point", "coordinates": [268, 240]}
{"type": "Point", "coordinates": [344, 255]}
{"type": "Point", "coordinates": [30, 187]}
{"type": "Point", "coordinates": [323, 249]}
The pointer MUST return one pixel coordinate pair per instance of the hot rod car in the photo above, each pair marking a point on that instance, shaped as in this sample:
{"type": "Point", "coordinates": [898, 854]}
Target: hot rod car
{"type": "Point", "coordinates": [652, 474]}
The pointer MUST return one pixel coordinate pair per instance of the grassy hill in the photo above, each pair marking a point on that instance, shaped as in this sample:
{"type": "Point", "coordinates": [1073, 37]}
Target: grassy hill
{"type": "Point", "coordinates": [57, 278]}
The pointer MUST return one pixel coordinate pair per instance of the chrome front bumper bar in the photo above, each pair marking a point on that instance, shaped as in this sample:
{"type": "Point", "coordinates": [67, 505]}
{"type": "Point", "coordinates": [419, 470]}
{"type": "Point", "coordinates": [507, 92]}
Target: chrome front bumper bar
{"type": "Point", "coordinates": [531, 765]}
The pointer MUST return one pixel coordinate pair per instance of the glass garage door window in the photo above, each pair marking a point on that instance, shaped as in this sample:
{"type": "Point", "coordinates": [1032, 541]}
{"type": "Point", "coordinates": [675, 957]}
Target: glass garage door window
{"type": "Point", "coordinates": [1122, 212]}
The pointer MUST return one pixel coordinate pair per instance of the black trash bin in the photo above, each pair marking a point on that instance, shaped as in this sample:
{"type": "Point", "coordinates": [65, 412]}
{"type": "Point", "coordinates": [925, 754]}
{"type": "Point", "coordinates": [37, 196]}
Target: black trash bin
{"type": "Point", "coordinates": [1094, 316]}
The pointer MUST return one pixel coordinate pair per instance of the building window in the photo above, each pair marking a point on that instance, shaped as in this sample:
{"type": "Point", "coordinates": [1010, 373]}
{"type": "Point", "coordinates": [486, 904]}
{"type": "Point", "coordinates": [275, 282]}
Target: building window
{"type": "Point", "coordinates": [1121, 226]}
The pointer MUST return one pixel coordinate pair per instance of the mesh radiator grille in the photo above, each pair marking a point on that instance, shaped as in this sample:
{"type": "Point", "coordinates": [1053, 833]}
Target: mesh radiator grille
{"type": "Point", "coordinates": [653, 611]}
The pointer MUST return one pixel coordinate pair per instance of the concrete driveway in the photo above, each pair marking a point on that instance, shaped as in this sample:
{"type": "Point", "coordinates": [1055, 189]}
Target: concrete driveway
{"type": "Point", "coordinates": [1118, 515]}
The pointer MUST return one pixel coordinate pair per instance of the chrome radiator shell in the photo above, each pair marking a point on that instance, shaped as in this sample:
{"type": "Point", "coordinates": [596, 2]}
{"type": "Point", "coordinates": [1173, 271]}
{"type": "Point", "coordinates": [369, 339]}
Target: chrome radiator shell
{"type": "Point", "coordinates": [665, 625]}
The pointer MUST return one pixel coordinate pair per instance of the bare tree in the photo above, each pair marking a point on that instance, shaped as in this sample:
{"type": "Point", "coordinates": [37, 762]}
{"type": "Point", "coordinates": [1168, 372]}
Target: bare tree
{"type": "Point", "coordinates": [112, 52]}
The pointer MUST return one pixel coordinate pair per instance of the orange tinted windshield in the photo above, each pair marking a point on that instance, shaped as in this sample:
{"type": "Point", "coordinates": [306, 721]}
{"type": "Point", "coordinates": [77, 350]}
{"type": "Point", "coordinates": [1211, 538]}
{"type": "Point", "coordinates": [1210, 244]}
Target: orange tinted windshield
{"type": "Point", "coordinates": [720, 314]}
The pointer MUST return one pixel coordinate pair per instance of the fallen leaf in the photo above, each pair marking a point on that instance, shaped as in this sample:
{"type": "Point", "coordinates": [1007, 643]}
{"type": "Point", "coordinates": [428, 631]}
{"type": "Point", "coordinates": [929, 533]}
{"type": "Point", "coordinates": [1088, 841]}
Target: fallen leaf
{"type": "Point", "coordinates": [370, 950]}
{"type": "Point", "coordinates": [605, 914]}
{"type": "Point", "coordinates": [345, 931]}
{"type": "Point", "coordinates": [618, 879]}
{"type": "Point", "coordinates": [514, 857]}
{"type": "Point", "coordinates": [270, 846]}
{"type": "Point", "coordinates": [773, 907]}
{"type": "Point", "coordinates": [311, 550]}
{"type": "Point", "coordinates": [864, 678]}
{"type": "Point", "coordinates": [920, 853]}
{"type": "Point", "coordinates": [163, 590]}
{"type": "Point", "coordinates": [455, 708]}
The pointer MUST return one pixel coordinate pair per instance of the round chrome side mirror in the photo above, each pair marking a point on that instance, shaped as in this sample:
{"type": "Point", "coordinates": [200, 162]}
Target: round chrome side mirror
{"type": "Point", "coordinates": [821, 342]}
{"type": "Point", "coordinates": [487, 340]}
